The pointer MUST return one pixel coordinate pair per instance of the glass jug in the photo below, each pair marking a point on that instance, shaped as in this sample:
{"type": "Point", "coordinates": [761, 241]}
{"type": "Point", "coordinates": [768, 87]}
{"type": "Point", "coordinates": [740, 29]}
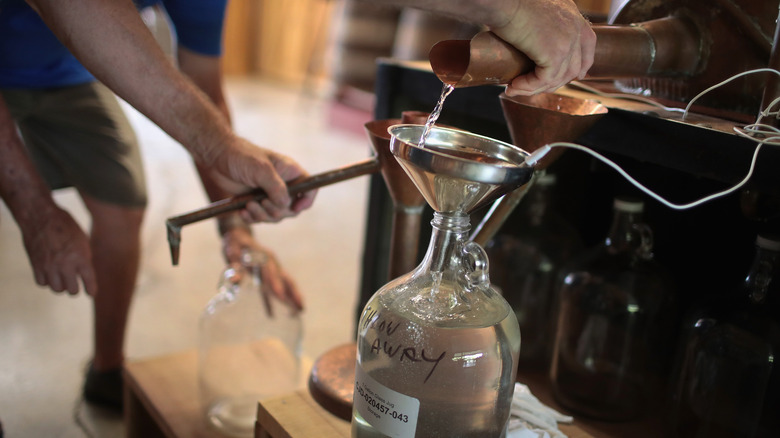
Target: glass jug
{"type": "Point", "coordinates": [613, 324]}
{"type": "Point", "coordinates": [726, 383]}
{"type": "Point", "coordinates": [250, 349]}
{"type": "Point", "coordinates": [438, 347]}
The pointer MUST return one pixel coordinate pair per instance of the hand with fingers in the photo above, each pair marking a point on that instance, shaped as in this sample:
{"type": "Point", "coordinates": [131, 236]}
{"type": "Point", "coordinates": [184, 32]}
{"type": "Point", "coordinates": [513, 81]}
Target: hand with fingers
{"type": "Point", "coordinates": [59, 253]}
{"type": "Point", "coordinates": [243, 166]}
{"type": "Point", "coordinates": [557, 38]}
{"type": "Point", "coordinates": [238, 244]}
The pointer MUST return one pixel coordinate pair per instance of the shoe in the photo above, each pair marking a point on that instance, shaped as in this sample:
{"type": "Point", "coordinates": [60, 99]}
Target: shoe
{"type": "Point", "coordinates": [104, 388]}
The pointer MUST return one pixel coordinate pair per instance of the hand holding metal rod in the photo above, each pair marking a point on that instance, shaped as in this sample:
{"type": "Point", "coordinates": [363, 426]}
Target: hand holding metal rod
{"type": "Point", "coordinates": [295, 187]}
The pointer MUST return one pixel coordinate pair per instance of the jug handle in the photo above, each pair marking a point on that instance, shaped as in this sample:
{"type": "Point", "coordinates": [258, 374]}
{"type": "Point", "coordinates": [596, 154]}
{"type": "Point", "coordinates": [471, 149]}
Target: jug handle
{"type": "Point", "coordinates": [475, 263]}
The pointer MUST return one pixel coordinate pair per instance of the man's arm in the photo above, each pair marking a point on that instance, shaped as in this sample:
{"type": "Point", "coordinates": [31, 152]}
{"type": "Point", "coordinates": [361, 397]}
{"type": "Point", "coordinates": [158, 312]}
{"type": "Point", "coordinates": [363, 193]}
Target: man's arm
{"type": "Point", "coordinates": [57, 247]}
{"type": "Point", "coordinates": [110, 40]}
{"type": "Point", "coordinates": [206, 73]}
{"type": "Point", "coordinates": [553, 33]}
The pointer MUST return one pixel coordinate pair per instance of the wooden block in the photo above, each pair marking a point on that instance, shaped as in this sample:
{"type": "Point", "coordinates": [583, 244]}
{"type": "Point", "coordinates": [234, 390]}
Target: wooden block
{"type": "Point", "coordinates": [297, 415]}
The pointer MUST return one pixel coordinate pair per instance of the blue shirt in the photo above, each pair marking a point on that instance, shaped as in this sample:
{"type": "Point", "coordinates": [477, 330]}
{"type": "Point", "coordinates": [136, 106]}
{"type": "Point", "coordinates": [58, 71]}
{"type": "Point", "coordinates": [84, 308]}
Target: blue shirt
{"type": "Point", "coordinates": [32, 57]}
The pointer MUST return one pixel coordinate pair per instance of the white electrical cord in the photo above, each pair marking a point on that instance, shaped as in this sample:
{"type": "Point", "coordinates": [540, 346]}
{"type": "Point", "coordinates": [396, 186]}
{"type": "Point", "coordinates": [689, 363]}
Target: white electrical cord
{"type": "Point", "coordinates": [769, 135]}
{"type": "Point", "coordinates": [541, 152]}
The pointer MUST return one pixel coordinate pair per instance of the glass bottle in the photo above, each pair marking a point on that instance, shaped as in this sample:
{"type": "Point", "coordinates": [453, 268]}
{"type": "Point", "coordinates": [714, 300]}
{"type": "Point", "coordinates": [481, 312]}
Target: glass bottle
{"type": "Point", "coordinates": [249, 349]}
{"type": "Point", "coordinates": [614, 323]}
{"type": "Point", "coordinates": [438, 347]}
{"type": "Point", "coordinates": [725, 383]}
{"type": "Point", "coordinates": [525, 260]}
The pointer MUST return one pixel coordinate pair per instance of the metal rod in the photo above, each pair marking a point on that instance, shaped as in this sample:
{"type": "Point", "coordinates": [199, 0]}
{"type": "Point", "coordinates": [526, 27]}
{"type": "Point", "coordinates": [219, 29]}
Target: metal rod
{"type": "Point", "coordinates": [296, 187]}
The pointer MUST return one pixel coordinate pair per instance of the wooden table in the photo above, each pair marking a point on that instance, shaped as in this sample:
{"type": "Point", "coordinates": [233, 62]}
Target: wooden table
{"type": "Point", "coordinates": [161, 398]}
{"type": "Point", "coordinates": [297, 415]}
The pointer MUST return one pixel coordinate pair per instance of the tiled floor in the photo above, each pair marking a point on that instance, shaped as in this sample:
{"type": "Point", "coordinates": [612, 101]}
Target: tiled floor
{"type": "Point", "coordinates": [45, 339]}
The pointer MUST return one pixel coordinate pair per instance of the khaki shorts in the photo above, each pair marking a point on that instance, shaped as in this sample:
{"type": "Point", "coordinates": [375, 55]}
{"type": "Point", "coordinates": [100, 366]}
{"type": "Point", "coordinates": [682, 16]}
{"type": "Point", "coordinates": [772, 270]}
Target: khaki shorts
{"type": "Point", "coordinates": [78, 136]}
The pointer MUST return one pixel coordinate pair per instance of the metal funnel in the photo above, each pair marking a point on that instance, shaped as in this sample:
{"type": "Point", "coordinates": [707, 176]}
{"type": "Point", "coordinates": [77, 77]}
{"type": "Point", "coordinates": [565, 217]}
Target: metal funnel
{"type": "Point", "coordinates": [458, 171]}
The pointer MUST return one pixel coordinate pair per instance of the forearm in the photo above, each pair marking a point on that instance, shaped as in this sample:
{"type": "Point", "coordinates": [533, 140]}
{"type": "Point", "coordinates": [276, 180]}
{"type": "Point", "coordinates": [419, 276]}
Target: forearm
{"type": "Point", "coordinates": [491, 13]}
{"type": "Point", "coordinates": [109, 38]}
{"type": "Point", "coordinates": [21, 187]}
{"type": "Point", "coordinates": [206, 73]}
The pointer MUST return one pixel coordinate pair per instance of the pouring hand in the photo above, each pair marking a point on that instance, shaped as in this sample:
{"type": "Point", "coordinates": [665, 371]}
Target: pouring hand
{"type": "Point", "coordinates": [555, 35]}
{"type": "Point", "coordinates": [275, 280]}
{"type": "Point", "coordinates": [244, 165]}
{"type": "Point", "coordinates": [59, 252]}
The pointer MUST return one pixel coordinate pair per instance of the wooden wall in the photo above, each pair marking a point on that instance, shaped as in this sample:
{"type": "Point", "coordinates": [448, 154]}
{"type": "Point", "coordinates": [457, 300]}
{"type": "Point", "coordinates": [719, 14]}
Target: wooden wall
{"type": "Point", "coordinates": [280, 39]}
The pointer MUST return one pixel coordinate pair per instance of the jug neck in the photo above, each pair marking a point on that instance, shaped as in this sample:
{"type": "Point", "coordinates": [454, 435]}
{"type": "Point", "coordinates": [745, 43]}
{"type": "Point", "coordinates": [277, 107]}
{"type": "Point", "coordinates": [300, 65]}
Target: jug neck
{"type": "Point", "coordinates": [450, 231]}
{"type": "Point", "coordinates": [628, 234]}
{"type": "Point", "coordinates": [762, 269]}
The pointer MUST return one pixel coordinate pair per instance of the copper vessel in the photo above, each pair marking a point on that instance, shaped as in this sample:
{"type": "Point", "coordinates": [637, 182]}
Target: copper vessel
{"type": "Point", "coordinates": [670, 50]}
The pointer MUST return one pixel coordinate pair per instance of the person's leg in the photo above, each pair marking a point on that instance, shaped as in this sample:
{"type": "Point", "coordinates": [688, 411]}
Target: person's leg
{"type": "Point", "coordinates": [115, 241]}
{"type": "Point", "coordinates": [79, 137]}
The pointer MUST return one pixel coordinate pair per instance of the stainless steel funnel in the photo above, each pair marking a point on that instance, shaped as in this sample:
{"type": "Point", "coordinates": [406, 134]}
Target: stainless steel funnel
{"type": "Point", "coordinates": [458, 171]}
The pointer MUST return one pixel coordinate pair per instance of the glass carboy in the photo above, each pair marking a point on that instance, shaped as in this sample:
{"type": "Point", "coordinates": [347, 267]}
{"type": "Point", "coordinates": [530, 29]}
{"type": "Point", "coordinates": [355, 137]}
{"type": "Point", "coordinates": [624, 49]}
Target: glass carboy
{"type": "Point", "coordinates": [615, 321]}
{"type": "Point", "coordinates": [249, 349]}
{"type": "Point", "coordinates": [437, 348]}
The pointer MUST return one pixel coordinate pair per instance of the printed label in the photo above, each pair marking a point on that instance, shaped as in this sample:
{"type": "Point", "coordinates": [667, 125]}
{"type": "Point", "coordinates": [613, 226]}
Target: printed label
{"type": "Point", "coordinates": [390, 412]}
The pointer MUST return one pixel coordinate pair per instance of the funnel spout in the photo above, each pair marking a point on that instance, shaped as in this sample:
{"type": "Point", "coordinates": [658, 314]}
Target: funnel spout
{"type": "Point", "coordinates": [499, 212]}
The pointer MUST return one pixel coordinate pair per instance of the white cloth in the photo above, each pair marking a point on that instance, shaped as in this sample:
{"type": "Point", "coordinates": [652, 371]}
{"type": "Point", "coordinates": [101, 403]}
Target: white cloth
{"type": "Point", "coordinates": [531, 418]}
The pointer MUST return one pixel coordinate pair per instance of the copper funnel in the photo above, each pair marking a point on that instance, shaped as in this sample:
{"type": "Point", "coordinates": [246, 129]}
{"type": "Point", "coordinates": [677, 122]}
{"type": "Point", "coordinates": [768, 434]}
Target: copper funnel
{"type": "Point", "coordinates": [408, 203]}
{"type": "Point", "coordinates": [533, 122]}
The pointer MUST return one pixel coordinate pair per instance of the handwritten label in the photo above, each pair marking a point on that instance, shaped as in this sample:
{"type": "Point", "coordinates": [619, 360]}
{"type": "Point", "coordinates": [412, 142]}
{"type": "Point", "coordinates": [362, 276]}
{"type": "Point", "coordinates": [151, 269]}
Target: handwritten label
{"type": "Point", "coordinates": [389, 412]}
{"type": "Point", "coordinates": [383, 344]}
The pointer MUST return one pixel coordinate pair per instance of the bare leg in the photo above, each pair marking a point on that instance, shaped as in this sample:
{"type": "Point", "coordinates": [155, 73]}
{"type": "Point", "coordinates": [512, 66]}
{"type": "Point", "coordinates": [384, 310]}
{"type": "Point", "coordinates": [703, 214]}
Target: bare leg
{"type": "Point", "coordinates": [115, 241]}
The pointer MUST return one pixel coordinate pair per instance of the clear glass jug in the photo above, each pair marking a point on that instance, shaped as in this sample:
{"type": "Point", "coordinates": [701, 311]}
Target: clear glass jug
{"type": "Point", "coordinates": [437, 348]}
{"type": "Point", "coordinates": [250, 349]}
{"type": "Point", "coordinates": [614, 323]}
